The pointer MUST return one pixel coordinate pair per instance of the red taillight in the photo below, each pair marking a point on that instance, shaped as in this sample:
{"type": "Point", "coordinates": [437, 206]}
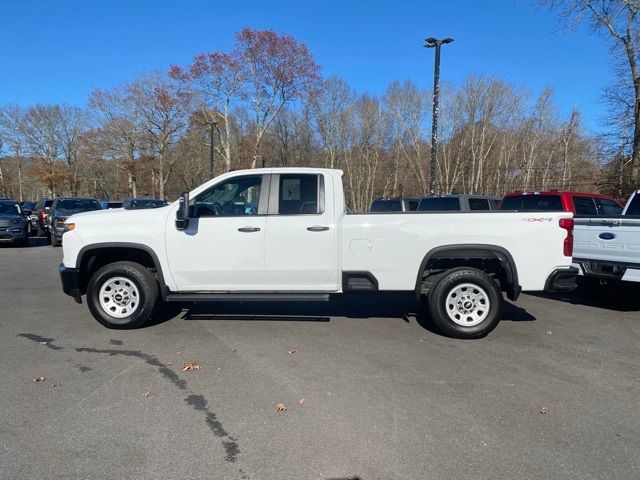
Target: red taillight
{"type": "Point", "coordinates": [567, 224]}
{"type": "Point", "coordinates": [43, 214]}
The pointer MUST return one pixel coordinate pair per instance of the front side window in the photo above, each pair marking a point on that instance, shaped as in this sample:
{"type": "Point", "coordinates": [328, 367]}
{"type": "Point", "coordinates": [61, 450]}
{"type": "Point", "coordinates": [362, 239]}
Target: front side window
{"type": "Point", "coordinates": [298, 194]}
{"type": "Point", "coordinates": [235, 197]}
{"type": "Point", "coordinates": [608, 207]}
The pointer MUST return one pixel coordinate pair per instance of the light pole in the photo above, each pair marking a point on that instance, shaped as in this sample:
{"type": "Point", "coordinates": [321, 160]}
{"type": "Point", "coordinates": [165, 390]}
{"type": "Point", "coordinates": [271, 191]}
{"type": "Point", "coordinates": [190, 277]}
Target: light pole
{"type": "Point", "coordinates": [435, 43]}
{"type": "Point", "coordinates": [211, 164]}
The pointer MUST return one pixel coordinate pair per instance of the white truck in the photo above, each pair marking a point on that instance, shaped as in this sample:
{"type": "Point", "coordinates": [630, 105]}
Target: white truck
{"type": "Point", "coordinates": [608, 248]}
{"type": "Point", "coordinates": [285, 234]}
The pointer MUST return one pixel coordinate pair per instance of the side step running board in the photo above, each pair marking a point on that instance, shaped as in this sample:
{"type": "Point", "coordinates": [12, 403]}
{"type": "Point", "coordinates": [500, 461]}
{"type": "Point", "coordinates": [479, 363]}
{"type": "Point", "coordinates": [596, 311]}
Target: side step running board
{"type": "Point", "coordinates": [247, 297]}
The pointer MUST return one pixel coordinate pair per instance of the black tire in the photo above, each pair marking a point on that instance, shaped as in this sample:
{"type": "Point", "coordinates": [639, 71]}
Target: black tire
{"type": "Point", "coordinates": [145, 283]}
{"type": "Point", "coordinates": [54, 241]}
{"type": "Point", "coordinates": [438, 308]}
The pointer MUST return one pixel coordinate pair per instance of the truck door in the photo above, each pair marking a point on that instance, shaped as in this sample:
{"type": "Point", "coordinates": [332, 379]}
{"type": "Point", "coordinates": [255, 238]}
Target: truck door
{"type": "Point", "coordinates": [301, 234]}
{"type": "Point", "coordinates": [223, 247]}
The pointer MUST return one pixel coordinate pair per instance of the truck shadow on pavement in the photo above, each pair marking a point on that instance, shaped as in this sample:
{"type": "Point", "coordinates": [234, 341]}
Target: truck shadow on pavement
{"type": "Point", "coordinates": [617, 297]}
{"type": "Point", "coordinates": [33, 242]}
{"type": "Point", "coordinates": [387, 305]}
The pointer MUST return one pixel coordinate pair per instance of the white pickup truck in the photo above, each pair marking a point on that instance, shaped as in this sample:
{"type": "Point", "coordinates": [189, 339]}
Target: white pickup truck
{"type": "Point", "coordinates": [608, 248]}
{"type": "Point", "coordinates": [284, 234]}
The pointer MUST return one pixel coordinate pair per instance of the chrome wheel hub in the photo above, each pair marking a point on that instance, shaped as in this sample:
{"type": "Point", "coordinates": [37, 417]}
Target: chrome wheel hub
{"type": "Point", "coordinates": [119, 297]}
{"type": "Point", "coordinates": [467, 304]}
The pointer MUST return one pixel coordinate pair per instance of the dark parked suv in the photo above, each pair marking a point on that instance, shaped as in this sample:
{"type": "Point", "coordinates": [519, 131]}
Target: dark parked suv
{"type": "Point", "coordinates": [14, 227]}
{"type": "Point", "coordinates": [63, 208]}
{"type": "Point", "coordinates": [38, 218]}
{"type": "Point", "coordinates": [140, 203]}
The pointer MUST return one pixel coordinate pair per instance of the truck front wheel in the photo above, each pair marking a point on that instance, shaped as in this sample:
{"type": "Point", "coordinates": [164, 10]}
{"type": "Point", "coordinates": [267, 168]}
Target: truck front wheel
{"type": "Point", "coordinates": [465, 303]}
{"type": "Point", "coordinates": [122, 295]}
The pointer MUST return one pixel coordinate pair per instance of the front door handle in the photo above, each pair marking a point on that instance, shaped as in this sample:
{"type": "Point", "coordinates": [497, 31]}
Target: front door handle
{"type": "Point", "coordinates": [318, 228]}
{"type": "Point", "coordinates": [248, 229]}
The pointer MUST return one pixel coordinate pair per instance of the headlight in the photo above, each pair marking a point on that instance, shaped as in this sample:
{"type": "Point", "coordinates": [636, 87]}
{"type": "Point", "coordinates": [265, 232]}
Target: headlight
{"type": "Point", "coordinates": [69, 226]}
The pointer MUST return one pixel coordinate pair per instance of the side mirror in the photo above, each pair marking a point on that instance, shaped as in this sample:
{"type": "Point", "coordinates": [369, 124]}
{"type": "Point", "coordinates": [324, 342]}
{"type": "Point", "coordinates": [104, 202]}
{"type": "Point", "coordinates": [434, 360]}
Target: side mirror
{"type": "Point", "coordinates": [182, 215]}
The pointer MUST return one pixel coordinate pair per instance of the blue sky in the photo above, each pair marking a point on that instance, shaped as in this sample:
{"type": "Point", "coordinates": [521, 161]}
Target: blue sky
{"type": "Point", "coordinates": [58, 51]}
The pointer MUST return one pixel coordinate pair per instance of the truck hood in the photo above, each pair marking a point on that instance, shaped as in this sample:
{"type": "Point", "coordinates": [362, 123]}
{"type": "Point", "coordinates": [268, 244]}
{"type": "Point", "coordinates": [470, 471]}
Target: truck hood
{"type": "Point", "coordinates": [117, 214]}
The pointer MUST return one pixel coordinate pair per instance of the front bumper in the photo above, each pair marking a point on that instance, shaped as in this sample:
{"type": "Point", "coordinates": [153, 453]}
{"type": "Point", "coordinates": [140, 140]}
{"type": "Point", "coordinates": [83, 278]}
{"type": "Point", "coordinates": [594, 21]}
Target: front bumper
{"type": "Point", "coordinates": [57, 231]}
{"type": "Point", "coordinates": [7, 235]}
{"type": "Point", "coordinates": [70, 278]}
{"type": "Point", "coordinates": [562, 280]}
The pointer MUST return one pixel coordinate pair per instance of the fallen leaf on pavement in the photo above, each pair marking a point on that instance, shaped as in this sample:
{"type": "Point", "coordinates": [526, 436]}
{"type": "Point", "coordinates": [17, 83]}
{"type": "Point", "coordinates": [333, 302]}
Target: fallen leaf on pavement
{"type": "Point", "coordinates": [39, 379]}
{"type": "Point", "coordinates": [293, 350]}
{"type": "Point", "coordinates": [54, 385]}
{"type": "Point", "coordinates": [187, 367]}
{"type": "Point", "coordinates": [235, 348]}
{"type": "Point", "coordinates": [301, 401]}
{"type": "Point", "coordinates": [548, 332]}
{"type": "Point", "coordinates": [147, 394]}
{"type": "Point", "coordinates": [543, 411]}
{"type": "Point", "coordinates": [280, 407]}
{"type": "Point", "coordinates": [43, 343]}
{"type": "Point", "coordinates": [168, 364]}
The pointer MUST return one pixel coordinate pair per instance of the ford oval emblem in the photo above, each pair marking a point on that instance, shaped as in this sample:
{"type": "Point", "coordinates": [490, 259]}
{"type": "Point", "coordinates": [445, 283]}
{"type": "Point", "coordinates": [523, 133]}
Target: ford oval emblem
{"type": "Point", "coordinates": [607, 236]}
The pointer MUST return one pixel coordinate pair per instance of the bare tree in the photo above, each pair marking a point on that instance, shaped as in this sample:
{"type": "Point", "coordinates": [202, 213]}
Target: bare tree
{"type": "Point", "coordinates": [162, 114]}
{"type": "Point", "coordinates": [619, 21]}
{"type": "Point", "coordinates": [11, 132]}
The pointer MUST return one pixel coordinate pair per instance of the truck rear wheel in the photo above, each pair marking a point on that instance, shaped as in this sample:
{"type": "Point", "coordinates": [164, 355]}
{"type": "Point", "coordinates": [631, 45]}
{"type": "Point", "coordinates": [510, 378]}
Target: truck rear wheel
{"type": "Point", "coordinates": [122, 295]}
{"type": "Point", "coordinates": [465, 303]}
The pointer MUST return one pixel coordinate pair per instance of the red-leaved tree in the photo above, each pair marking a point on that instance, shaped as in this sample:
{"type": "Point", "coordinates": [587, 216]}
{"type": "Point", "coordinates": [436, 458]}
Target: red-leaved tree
{"type": "Point", "coordinates": [279, 70]}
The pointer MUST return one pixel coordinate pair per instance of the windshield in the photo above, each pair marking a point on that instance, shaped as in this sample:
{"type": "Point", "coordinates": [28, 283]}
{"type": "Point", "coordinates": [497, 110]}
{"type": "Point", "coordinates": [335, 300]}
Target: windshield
{"type": "Point", "coordinates": [386, 206]}
{"type": "Point", "coordinates": [75, 205]}
{"type": "Point", "coordinates": [634, 206]}
{"type": "Point", "coordinates": [9, 209]}
{"type": "Point", "coordinates": [439, 204]}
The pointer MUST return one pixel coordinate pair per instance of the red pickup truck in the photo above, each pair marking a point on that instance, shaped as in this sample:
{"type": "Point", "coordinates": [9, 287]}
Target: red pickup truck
{"type": "Point", "coordinates": [592, 204]}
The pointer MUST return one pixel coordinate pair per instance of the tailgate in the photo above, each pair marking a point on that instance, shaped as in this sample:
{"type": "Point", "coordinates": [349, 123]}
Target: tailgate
{"type": "Point", "coordinates": [616, 239]}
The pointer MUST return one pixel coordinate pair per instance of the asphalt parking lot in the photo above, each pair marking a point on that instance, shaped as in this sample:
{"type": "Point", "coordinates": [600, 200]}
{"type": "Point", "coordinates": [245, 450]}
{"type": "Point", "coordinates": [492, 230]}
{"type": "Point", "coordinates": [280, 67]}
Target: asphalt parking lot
{"type": "Point", "coordinates": [371, 390]}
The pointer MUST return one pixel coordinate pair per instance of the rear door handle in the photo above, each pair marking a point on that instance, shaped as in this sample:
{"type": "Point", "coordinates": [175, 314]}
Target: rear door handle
{"type": "Point", "coordinates": [318, 228]}
{"type": "Point", "coordinates": [248, 229]}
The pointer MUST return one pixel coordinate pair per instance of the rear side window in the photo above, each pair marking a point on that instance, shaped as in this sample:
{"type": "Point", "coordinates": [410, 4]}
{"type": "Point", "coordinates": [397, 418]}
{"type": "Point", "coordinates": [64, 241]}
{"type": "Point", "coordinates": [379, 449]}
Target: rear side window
{"type": "Point", "coordinates": [439, 204]}
{"type": "Point", "coordinates": [585, 206]}
{"type": "Point", "coordinates": [634, 206]}
{"type": "Point", "coordinates": [413, 205]}
{"type": "Point", "coordinates": [299, 194]}
{"type": "Point", "coordinates": [478, 204]}
{"type": "Point", "coordinates": [608, 207]}
{"type": "Point", "coordinates": [386, 206]}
